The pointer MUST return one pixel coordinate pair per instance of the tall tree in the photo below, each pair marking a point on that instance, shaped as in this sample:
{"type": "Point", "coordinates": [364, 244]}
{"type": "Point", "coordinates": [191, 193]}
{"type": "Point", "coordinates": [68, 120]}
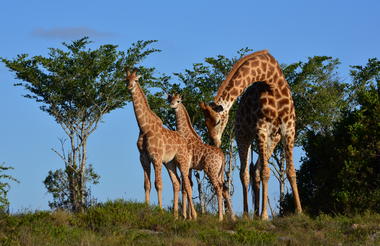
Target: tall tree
{"type": "Point", "coordinates": [4, 187]}
{"type": "Point", "coordinates": [78, 86]}
{"type": "Point", "coordinates": [319, 96]}
{"type": "Point", "coordinates": [341, 171]}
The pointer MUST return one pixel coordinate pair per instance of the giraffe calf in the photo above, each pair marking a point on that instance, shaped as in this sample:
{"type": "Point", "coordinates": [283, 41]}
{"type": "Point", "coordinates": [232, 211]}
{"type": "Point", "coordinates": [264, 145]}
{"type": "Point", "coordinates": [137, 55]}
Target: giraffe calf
{"type": "Point", "coordinates": [203, 156]}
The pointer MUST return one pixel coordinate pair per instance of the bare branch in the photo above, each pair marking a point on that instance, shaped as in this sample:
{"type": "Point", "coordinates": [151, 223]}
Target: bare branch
{"type": "Point", "coordinates": [60, 155]}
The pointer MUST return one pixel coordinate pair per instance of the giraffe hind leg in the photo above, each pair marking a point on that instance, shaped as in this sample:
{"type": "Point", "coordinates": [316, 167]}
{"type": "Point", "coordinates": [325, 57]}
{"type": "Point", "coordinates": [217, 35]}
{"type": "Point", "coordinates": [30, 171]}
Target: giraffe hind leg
{"type": "Point", "coordinates": [172, 171]}
{"type": "Point", "coordinates": [157, 163]}
{"type": "Point", "coordinates": [145, 163]}
{"type": "Point", "coordinates": [244, 147]}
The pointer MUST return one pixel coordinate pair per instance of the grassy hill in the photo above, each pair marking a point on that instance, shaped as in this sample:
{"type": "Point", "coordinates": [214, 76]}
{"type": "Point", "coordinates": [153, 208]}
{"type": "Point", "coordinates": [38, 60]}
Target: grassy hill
{"type": "Point", "coordinates": [128, 223]}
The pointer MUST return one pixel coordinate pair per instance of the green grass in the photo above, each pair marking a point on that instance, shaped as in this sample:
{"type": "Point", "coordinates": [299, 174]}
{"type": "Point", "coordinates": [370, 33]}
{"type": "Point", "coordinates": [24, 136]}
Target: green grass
{"type": "Point", "coordinates": [128, 223]}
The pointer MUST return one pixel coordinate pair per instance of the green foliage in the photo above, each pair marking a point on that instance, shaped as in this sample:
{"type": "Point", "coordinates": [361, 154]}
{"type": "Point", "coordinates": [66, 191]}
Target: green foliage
{"type": "Point", "coordinates": [77, 86]}
{"type": "Point", "coordinates": [200, 83]}
{"type": "Point", "coordinates": [58, 186]}
{"type": "Point", "coordinates": [318, 94]}
{"type": "Point", "coordinates": [128, 223]}
{"type": "Point", "coordinates": [78, 83]}
{"type": "Point", "coordinates": [341, 171]}
{"type": "Point", "coordinates": [4, 187]}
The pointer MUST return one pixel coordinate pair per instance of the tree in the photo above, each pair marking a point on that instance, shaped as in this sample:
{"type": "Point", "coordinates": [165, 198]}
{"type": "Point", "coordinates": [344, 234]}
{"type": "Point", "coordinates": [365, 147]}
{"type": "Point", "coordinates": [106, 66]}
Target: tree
{"type": "Point", "coordinates": [319, 98]}
{"type": "Point", "coordinates": [4, 187]}
{"type": "Point", "coordinates": [78, 86]}
{"type": "Point", "coordinates": [341, 171]}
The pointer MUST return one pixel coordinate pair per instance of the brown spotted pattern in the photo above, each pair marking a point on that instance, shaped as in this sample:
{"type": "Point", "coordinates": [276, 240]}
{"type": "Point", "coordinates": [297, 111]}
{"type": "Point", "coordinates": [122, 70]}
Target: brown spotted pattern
{"type": "Point", "coordinates": [159, 145]}
{"type": "Point", "coordinates": [266, 114]}
{"type": "Point", "coordinates": [204, 157]}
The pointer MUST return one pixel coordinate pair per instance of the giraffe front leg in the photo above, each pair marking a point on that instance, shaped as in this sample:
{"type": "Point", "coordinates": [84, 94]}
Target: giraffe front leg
{"type": "Point", "coordinates": [158, 179]}
{"type": "Point", "coordinates": [216, 183]}
{"type": "Point", "coordinates": [171, 167]}
{"type": "Point", "coordinates": [184, 201]}
{"type": "Point", "coordinates": [290, 171]}
{"type": "Point", "coordinates": [220, 201]}
{"type": "Point", "coordinates": [187, 185]}
{"type": "Point", "coordinates": [265, 170]}
{"type": "Point", "coordinates": [227, 198]}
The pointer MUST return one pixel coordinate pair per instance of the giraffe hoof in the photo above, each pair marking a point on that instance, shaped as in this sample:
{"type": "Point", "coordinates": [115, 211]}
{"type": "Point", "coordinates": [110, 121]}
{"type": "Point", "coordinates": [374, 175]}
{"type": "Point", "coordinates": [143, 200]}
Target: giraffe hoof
{"type": "Point", "coordinates": [245, 215]}
{"type": "Point", "coordinates": [264, 217]}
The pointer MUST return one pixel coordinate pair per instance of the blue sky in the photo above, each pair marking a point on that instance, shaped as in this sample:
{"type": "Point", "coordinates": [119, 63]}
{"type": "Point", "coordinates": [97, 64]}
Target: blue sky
{"type": "Point", "coordinates": [187, 31]}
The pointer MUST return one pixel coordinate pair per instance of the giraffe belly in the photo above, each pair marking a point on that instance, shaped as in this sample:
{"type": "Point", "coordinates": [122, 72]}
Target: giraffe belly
{"type": "Point", "coordinates": [168, 157]}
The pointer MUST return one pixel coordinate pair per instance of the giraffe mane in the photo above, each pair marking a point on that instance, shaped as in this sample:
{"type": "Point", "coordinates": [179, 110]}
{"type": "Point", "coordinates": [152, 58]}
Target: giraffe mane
{"type": "Point", "coordinates": [235, 67]}
{"type": "Point", "coordinates": [146, 102]}
{"type": "Point", "coordinates": [188, 122]}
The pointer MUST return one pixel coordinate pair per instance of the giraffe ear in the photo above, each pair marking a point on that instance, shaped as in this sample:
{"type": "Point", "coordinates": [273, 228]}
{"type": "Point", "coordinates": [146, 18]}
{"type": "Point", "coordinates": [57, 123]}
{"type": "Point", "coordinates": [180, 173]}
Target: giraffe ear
{"type": "Point", "coordinates": [169, 98]}
{"type": "Point", "coordinates": [203, 106]}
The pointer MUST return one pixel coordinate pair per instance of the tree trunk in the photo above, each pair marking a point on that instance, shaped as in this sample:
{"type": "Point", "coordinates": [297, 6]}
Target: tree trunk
{"type": "Point", "coordinates": [82, 171]}
{"type": "Point", "coordinates": [76, 171]}
{"type": "Point", "coordinates": [230, 170]}
{"type": "Point", "coordinates": [282, 179]}
{"type": "Point", "coordinates": [201, 194]}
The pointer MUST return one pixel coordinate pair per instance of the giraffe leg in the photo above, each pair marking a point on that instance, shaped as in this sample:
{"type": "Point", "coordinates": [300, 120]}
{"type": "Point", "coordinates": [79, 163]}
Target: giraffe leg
{"type": "Point", "coordinates": [189, 193]}
{"type": "Point", "coordinates": [265, 170]}
{"type": "Point", "coordinates": [171, 167]}
{"type": "Point", "coordinates": [227, 198]}
{"type": "Point", "coordinates": [184, 201]}
{"type": "Point", "coordinates": [191, 183]}
{"type": "Point", "coordinates": [256, 186]}
{"type": "Point", "coordinates": [244, 147]}
{"type": "Point", "coordinates": [215, 181]}
{"type": "Point", "coordinates": [158, 179]}
{"type": "Point", "coordinates": [290, 171]}
{"type": "Point", "coordinates": [184, 166]}
{"type": "Point", "coordinates": [144, 160]}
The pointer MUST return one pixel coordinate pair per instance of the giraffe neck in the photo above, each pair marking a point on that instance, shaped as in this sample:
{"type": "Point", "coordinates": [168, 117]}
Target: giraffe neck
{"type": "Point", "coordinates": [144, 115]}
{"type": "Point", "coordinates": [256, 67]}
{"type": "Point", "coordinates": [184, 126]}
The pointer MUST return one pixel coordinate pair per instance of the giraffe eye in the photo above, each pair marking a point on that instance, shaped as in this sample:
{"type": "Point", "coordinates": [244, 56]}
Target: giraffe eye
{"type": "Point", "coordinates": [178, 101]}
{"type": "Point", "coordinates": [217, 123]}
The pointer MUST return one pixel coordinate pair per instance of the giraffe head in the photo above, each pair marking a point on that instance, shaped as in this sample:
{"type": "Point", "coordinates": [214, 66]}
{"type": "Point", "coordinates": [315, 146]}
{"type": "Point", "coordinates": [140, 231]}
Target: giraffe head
{"type": "Point", "coordinates": [174, 100]}
{"type": "Point", "coordinates": [216, 120]}
{"type": "Point", "coordinates": [132, 78]}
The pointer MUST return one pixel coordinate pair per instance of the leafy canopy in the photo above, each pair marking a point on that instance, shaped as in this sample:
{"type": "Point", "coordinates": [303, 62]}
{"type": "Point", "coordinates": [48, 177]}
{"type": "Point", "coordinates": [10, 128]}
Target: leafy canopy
{"type": "Point", "coordinates": [79, 84]}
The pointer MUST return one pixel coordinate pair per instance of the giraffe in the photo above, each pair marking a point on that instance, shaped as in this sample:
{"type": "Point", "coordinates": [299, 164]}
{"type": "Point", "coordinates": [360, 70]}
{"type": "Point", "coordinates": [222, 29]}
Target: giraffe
{"type": "Point", "coordinates": [245, 134]}
{"type": "Point", "coordinates": [204, 157]}
{"type": "Point", "coordinates": [159, 145]}
{"type": "Point", "coordinates": [272, 117]}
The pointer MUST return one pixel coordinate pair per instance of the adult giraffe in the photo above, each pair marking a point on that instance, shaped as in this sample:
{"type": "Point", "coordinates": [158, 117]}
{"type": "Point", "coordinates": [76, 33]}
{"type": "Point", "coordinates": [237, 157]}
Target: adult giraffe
{"type": "Point", "coordinates": [271, 117]}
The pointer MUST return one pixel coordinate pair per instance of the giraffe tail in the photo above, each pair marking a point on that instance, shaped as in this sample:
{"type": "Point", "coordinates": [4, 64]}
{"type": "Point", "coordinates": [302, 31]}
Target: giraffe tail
{"type": "Point", "coordinates": [252, 178]}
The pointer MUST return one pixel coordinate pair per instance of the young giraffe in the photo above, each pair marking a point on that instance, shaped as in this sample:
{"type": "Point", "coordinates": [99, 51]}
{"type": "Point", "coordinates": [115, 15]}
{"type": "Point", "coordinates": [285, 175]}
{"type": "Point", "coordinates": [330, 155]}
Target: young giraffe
{"type": "Point", "coordinates": [272, 118]}
{"type": "Point", "coordinates": [159, 145]}
{"type": "Point", "coordinates": [204, 157]}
